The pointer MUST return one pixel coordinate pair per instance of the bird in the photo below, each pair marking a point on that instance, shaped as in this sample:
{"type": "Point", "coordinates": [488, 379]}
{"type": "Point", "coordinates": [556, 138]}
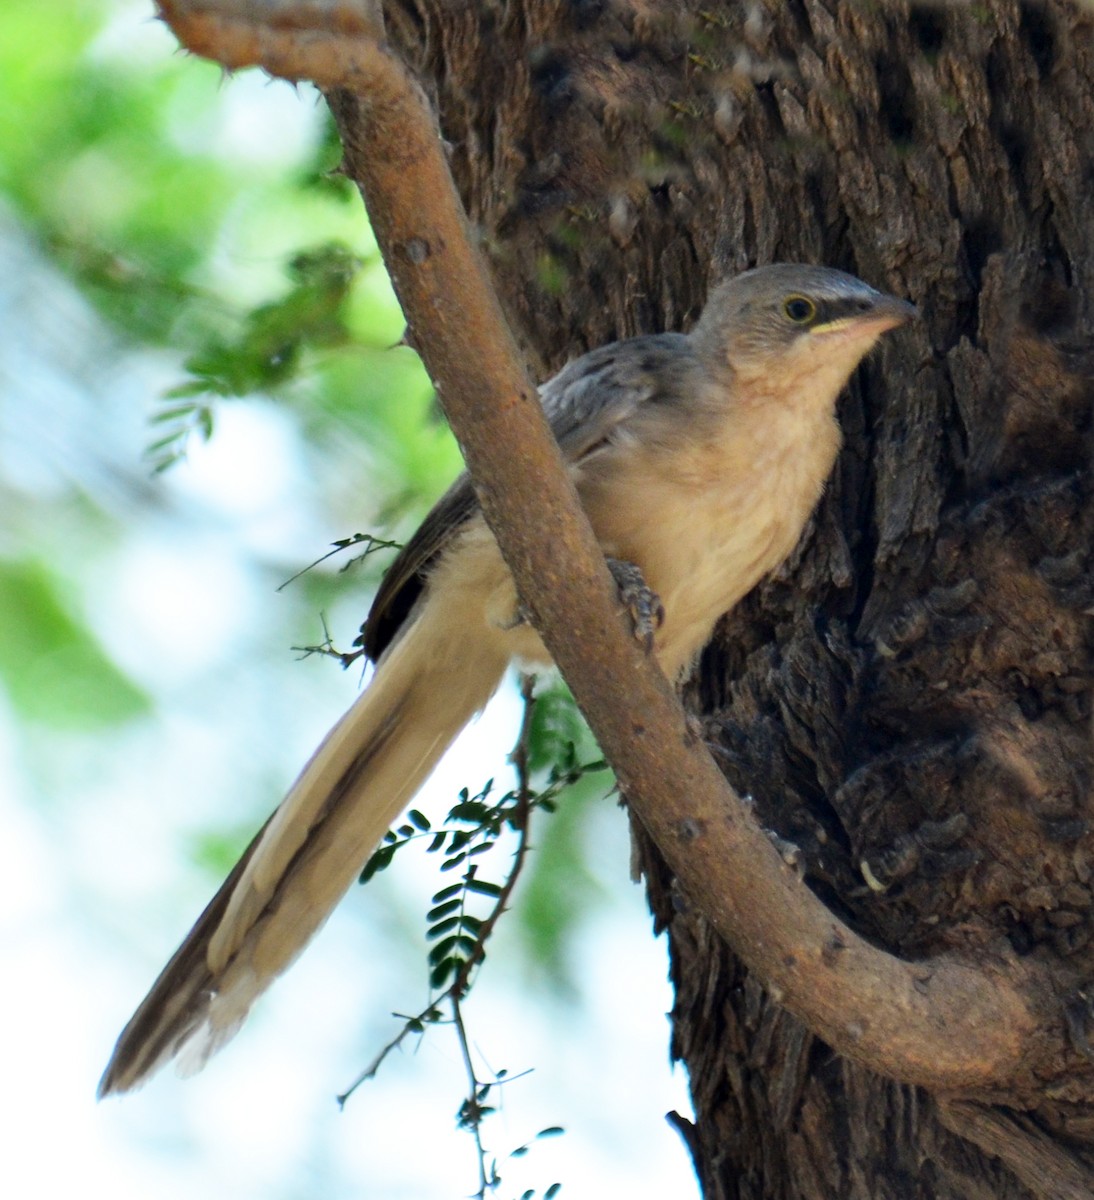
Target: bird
{"type": "Point", "coordinates": [698, 459]}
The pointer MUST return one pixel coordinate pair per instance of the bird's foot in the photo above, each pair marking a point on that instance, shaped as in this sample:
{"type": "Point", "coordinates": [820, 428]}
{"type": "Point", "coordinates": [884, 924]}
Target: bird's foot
{"type": "Point", "coordinates": [644, 605]}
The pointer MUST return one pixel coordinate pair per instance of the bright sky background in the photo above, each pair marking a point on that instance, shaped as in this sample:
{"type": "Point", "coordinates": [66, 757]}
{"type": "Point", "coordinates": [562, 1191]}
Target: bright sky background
{"type": "Point", "coordinates": [100, 880]}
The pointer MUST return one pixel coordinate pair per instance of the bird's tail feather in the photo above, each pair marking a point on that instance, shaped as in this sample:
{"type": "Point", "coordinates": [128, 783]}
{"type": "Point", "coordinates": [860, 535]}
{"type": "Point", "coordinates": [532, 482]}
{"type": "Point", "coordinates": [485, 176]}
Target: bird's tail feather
{"type": "Point", "coordinates": [426, 688]}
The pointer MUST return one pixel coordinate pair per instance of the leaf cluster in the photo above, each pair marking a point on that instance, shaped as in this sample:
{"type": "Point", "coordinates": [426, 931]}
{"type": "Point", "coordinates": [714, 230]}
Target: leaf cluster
{"type": "Point", "coordinates": [266, 352]}
{"type": "Point", "coordinates": [472, 830]}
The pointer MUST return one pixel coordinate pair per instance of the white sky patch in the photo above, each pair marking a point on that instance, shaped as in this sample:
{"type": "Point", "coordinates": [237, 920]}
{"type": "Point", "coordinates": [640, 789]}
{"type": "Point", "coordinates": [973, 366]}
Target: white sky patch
{"type": "Point", "coordinates": [250, 466]}
{"type": "Point", "coordinates": [251, 475]}
{"type": "Point", "coordinates": [176, 608]}
{"type": "Point", "coordinates": [265, 121]}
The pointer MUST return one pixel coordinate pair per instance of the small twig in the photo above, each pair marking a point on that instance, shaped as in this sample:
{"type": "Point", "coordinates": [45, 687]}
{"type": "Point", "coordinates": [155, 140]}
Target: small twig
{"type": "Point", "coordinates": [520, 822]}
{"type": "Point", "coordinates": [415, 1024]}
{"type": "Point", "coordinates": [514, 811]}
{"type": "Point", "coordinates": [327, 648]}
{"type": "Point", "coordinates": [472, 1111]}
{"type": "Point", "coordinates": [372, 544]}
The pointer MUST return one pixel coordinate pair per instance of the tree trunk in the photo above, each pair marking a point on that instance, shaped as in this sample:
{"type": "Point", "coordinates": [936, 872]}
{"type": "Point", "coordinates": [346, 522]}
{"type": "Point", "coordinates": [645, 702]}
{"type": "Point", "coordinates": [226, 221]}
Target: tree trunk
{"type": "Point", "coordinates": [908, 701]}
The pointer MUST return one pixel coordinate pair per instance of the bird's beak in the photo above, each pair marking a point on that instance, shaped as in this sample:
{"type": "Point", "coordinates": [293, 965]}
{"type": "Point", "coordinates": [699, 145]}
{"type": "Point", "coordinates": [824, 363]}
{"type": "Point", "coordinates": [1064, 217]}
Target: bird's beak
{"type": "Point", "coordinates": [887, 312]}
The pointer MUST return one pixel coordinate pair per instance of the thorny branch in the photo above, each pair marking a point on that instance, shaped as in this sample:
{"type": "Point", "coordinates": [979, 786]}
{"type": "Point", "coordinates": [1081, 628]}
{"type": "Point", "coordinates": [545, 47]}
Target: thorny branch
{"type": "Point", "coordinates": [945, 1023]}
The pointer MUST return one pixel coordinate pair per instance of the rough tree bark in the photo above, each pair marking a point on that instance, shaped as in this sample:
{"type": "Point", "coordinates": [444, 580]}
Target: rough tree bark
{"type": "Point", "coordinates": [908, 702]}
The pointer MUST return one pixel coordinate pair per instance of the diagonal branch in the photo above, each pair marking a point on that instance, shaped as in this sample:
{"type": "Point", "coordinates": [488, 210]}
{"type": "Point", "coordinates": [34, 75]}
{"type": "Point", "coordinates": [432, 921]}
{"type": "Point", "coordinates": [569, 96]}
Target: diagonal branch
{"type": "Point", "coordinates": [943, 1023]}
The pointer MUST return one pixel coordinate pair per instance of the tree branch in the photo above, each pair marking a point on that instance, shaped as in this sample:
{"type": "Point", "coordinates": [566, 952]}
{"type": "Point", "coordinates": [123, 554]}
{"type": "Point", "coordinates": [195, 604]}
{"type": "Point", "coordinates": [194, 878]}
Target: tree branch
{"type": "Point", "coordinates": [943, 1023]}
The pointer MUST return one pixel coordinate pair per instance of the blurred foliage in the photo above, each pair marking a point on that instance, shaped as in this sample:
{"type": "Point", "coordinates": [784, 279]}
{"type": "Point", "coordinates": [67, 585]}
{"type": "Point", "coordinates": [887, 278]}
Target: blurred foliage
{"type": "Point", "coordinates": [146, 177]}
{"type": "Point", "coordinates": [198, 232]}
{"type": "Point", "coordinates": [50, 663]}
{"type": "Point", "coordinates": [265, 352]}
{"type": "Point", "coordinates": [560, 886]}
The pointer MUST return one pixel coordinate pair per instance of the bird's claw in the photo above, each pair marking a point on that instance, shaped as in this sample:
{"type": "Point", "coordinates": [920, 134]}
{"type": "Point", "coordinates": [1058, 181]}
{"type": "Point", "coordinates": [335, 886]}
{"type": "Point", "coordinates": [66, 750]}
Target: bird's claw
{"type": "Point", "coordinates": [644, 605]}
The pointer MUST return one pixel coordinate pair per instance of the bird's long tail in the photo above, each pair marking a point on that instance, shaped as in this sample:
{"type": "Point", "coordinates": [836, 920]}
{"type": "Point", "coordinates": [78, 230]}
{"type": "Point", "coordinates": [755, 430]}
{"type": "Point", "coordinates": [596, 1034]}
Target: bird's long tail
{"type": "Point", "coordinates": [426, 688]}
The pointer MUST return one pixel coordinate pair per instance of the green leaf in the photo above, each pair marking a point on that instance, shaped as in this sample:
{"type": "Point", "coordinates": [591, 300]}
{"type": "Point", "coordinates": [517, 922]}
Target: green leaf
{"type": "Point", "coordinates": [161, 443]}
{"type": "Point", "coordinates": [443, 972]}
{"type": "Point", "coordinates": [192, 387]}
{"type": "Point", "coordinates": [442, 910]}
{"type": "Point", "coordinates": [443, 949]}
{"type": "Point", "coordinates": [441, 927]}
{"type": "Point", "coordinates": [171, 413]}
{"type": "Point", "coordinates": [51, 664]}
{"type": "Point", "coordinates": [472, 811]}
{"type": "Point", "coordinates": [483, 888]}
{"type": "Point", "coordinates": [380, 859]}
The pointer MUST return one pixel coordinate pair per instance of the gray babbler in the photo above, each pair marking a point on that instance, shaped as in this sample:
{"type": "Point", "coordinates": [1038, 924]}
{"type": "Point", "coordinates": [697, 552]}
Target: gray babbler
{"type": "Point", "coordinates": [698, 459]}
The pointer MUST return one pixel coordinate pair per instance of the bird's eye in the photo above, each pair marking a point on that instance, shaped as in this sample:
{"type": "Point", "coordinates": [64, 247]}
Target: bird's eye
{"type": "Point", "coordinates": [799, 310]}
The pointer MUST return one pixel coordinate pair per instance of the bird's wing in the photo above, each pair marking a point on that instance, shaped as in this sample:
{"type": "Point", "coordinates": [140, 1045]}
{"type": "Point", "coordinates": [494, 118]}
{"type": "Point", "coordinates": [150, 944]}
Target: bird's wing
{"type": "Point", "coordinates": [404, 579]}
{"type": "Point", "coordinates": [584, 403]}
{"type": "Point", "coordinates": [595, 394]}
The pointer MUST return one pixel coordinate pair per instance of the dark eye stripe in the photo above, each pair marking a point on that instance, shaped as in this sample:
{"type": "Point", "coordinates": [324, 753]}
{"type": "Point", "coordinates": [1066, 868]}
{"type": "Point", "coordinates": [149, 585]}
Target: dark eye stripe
{"type": "Point", "coordinates": [854, 306]}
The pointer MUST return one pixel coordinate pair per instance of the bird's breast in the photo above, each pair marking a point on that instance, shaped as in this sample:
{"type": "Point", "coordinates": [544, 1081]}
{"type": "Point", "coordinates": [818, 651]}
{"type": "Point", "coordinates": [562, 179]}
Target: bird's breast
{"type": "Point", "coordinates": [705, 520]}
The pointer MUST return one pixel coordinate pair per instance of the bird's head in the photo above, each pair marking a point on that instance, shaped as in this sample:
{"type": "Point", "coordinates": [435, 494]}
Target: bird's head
{"type": "Point", "coordinates": [794, 330]}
